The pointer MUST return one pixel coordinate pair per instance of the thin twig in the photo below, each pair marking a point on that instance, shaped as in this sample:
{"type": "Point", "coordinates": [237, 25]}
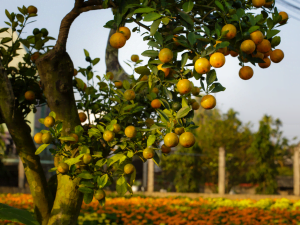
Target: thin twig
{"type": "Point", "coordinates": [207, 15]}
{"type": "Point", "coordinates": [140, 24]}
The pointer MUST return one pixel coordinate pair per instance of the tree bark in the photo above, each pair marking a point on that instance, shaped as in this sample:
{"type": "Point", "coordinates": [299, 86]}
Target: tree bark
{"type": "Point", "coordinates": [112, 61]}
{"type": "Point", "coordinates": [20, 133]}
{"type": "Point", "coordinates": [56, 72]}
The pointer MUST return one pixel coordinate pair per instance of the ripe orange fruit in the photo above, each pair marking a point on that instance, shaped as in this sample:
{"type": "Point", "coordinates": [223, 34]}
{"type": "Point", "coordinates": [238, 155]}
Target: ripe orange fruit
{"type": "Point", "coordinates": [266, 64]}
{"type": "Point", "coordinates": [171, 140]}
{"type": "Point", "coordinates": [46, 138]}
{"type": "Point", "coordinates": [34, 56]}
{"type": "Point", "coordinates": [165, 70]}
{"type": "Point", "coordinates": [99, 194]}
{"type": "Point", "coordinates": [217, 60]}
{"type": "Point", "coordinates": [276, 55]}
{"type": "Point", "coordinates": [284, 17]}
{"type": "Point", "coordinates": [135, 58]}
{"type": "Point", "coordinates": [110, 75]}
{"type": "Point", "coordinates": [258, 3]}
{"type": "Point", "coordinates": [117, 128]}
{"type": "Point", "coordinates": [129, 94]}
{"type": "Point", "coordinates": [117, 40]}
{"type": "Point", "coordinates": [165, 149]}
{"type": "Point", "coordinates": [29, 95]}
{"type": "Point", "coordinates": [38, 138]}
{"type": "Point", "coordinates": [187, 139]}
{"type": "Point", "coordinates": [195, 91]}
{"type": "Point", "coordinates": [231, 31]}
{"type": "Point", "coordinates": [130, 131]}
{"type": "Point", "coordinates": [75, 136]}
{"type": "Point", "coordinates": [32, 9]}
{"type": "Point", "coordinates": [75, 72]}
{"type": "Point", "coordinates": [87, 158]}
{"type": "Point", "coordinates": [248, 46]}
{"type": "Point", "coordinates": [118, 84]}
{"type": "Point", "coordinates": [155, 104]}
{"type": "Point", "coordinates": [267, 53]}
{"type": "Point", "coordinates": [184, 86]}
{"type": "Point", "coordinates": [165, 55]}
{"type": "Point", "coordinates": [208, 102]}
{"type": "Point", "coordinates": [108, 135]}
{"type": "Point", "coordinates": [49, 121]}
{"type": "Point", "coordinates": [233, 53]}
{"type": "Point", "coordinates": [126, 32]}
{"type": "Point", "coordinates": [222, 50]}
{"type": "Point", "coordinates": [148, 153]}
{"type": "Point", "coordinates": [82, 117]}
{"type": "Point", "coordinates": [155, 90]}
{"type": "Point", "coordinates": [195, 106]}
{"type": "Point", "coordinates": [258, 55]}
{"type": "Point", "coordinates": [264, 46]}
{"type": "Point", "coordinates": [149, 122]}
{"type": "Point", "coordinates": [202, 66]}
{"type": "Point", "coordinates": [144, 78]}
{"type": "Point", "coordinates": [268, 4]}
{"type": "Point", "coordinates": [129, 168]}
{"type": "Point", "coordinates": [63, 168]}
{"type": "Point", "coordinates": [179, 130]}
{"type": "Point", "coordinates": [246, 72]}
{"type": "Point", "coordinates": [257, 36]}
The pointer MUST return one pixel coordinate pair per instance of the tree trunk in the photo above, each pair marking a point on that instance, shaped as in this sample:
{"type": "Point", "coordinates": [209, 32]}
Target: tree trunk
{"type": "Point", "coordinates": [112, 61]}
{"type": "Point", "coordinates": [20, 133]}
{"type": "Point", "coordinates": [56, 72]}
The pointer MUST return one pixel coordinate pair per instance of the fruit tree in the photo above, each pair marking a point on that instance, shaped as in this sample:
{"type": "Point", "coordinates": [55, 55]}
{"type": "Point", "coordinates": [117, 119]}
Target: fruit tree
{"type": "Point", "coordinates": [135, 114]}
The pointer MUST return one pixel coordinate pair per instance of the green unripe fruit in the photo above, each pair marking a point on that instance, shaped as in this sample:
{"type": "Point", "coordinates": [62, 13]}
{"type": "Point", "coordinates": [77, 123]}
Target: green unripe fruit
{"type": "Point", "coordinates": [129, 168]}
{"type": "Point", "coordinates": [176, 106]}
{"type": "Point", "coordinates": [99, 194]}
{"type": "Point", "coordinates": [36, 31]}
{"type": "Point", "coordinates": [87, 158]}
{"type": "Point", "coordinates": [47, 138]}
{"type": "Point", "coordinates": [63, 168]}
{"type": "Point", "coordinates": [45, 32]}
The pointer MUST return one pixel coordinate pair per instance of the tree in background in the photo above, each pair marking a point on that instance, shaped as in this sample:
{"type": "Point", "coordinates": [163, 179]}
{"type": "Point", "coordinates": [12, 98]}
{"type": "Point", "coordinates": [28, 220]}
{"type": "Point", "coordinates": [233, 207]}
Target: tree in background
{"type": "Point", "coordinates": [199, 164]}
{"type": "Point", "coordinates": [268, 150]}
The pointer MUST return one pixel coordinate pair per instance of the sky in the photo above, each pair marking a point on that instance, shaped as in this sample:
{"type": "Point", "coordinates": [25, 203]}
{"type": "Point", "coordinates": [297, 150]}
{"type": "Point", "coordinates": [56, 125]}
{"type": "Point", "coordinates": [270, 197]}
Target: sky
{"type": "Point", "coordinates": [273, 91]}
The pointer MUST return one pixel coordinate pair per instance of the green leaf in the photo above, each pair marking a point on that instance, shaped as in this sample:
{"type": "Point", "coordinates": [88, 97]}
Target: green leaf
{"type": "Point", "coordinates": [159, 38]}
{"type": "Point", "coordinates": [218, 88]}
{"type": "Point", "coordinates": [102, 181]}
{"type": "Point", "coordinates": [240, 12]}
{"type": "Point", "coordinates": [150, 53]}
{"type": "Point", "coordinates": [121, 186]}
{"type": "Point", "coordinates": [144, 10]}
{"type": "Point", "coordinates": [184, 58]}
{"type": "Point", "coordinates": [52, 169]}
{"type": "Point", "coordinates": [86, 53]}
{"type": "Point", "coordinates": [126, 84]}
{"type": "Point", "coordinates": [253, 28]}
{"type": "Point", "coordinates": [94, 132]}
{"type": "Point", "coordinates": [187, 18]}
{"type": "Point", "coordinates": [114, 159]}
{"type": "Point", "coordinates": [270, 23]}
{"type": "Point", "coordinates": [88, 197]}
{"type": "Point", "coordinates": [8, 15]}
{"type": "Point", "coordinates": [5, 40]}
{"type": "Point", "coordinates": [85, 190]}
{"type": "Point", "coordinates": [16, 215]}
{"type": "Point", "coordinates": [154, 27]}
{"type": "Point", "coordinates": [151, 139]}
{"type": "Point", "coordinates": [272, 33]}
{"type": "Point", "coordinates": [129, 154]}
{"type": "Point", "coordinates": [163, 116]}
{"type": "Point", "coordinates": [152, 16]}
{"type": "Point", "coordinates": [101, 162]}
{"type": "Point", "coordinates": [20, 18]}
{"type": "Point", "coordinates": [101, 128]}
{"type": "Point", "coordinates": [183, 112]}
{"type": "Point", "coordinates": [211, 77]}
{"type": "Point", "coordinates": [220, 6]}
{"type": "Point", "coordinates": [188, 6]}
{"type": "Point", "coordinates": [132, 177]}
{"type": "Point", "coordinates": [192, 38]}
{"type": "Point", "coordinates": [156, 159]}
{"type": "Point", "coordinates": [85, 175]}
{"type": "Point", "coordinates": [41, 148]}
{"type": "Point", "coordinates": [73, 161]}
{"type": "Point", "coordinates": [67, 138]}
{"type": "Point", "coordinates": [41, 120]}
{"type": "Point", "coordinates": [79, 130]}
{"type": "Point", "coordinates": [95, 61]}
{"type": "Point", "coordinates": [53, 114]}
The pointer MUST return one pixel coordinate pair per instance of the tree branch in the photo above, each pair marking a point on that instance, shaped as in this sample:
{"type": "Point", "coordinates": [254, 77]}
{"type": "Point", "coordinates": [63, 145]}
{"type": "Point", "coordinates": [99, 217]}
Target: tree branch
{"type": "Point", "coordinates": [20, 132]}
{"type": "Point", "coordinates": [140, 24]}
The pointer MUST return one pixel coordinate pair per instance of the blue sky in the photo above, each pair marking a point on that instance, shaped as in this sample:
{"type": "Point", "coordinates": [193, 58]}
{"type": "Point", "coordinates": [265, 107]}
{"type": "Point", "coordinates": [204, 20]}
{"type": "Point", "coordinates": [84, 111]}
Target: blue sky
{"type": "Point", "coordinates": [273, 91]}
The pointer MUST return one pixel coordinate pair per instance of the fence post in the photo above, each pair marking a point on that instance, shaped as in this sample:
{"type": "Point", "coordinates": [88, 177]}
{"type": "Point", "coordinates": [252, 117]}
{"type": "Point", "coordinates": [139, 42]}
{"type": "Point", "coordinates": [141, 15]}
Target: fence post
{"type": "Point", "coordinates": [145, 175]}
{"type": "Point", "coordinates": [150, 183]}
{"type": "Point", "coordinates": [222, 165]}
{"type": "Point", "coordinates": [296, 171]}
{"type": "Point", "coordinates": [21, 174]}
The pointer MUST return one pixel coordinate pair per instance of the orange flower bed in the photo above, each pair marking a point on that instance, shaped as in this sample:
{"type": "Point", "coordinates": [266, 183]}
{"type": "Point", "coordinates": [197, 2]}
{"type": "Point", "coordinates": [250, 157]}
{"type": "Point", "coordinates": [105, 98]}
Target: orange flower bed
{"type": "Point", "coordinates": [165, 211]}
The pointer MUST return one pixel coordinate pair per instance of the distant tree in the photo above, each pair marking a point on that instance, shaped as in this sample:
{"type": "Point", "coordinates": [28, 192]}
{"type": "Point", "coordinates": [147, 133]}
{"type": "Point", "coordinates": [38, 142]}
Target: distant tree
{"type": "Point", "coordinates": [263, 171]}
